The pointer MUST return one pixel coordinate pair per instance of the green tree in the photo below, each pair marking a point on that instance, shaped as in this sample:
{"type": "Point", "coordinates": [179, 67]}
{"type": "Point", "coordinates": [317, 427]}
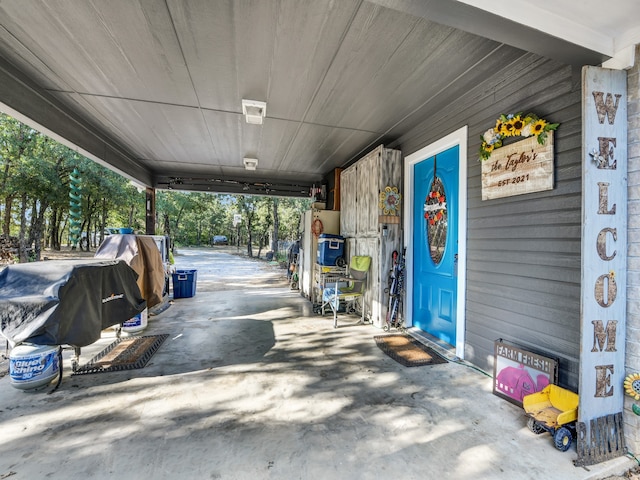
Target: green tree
{"type": "Point", "coordinates": [263, 222]}
{"type": "Point", "coordinates": [171, 207]}
{"type": "Point", "coordinates": [290, 213]}
{"type": "Point", "coordinates": [247, 205]}
{"type": "Point", "coordinates": [17, 142]}
{"type": "Point", "coordinates": [108, 197]}
{"type": "Point", "coordinates": [46, 171]}
{"type": "Point", "coordinates": [34, 201]}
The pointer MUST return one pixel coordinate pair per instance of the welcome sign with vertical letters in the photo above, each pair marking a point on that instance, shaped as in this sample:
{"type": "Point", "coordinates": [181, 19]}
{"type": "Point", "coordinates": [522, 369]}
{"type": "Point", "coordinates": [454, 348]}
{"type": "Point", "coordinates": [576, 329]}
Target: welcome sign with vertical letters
{"type": "Point", "coordinates": [604, 256]}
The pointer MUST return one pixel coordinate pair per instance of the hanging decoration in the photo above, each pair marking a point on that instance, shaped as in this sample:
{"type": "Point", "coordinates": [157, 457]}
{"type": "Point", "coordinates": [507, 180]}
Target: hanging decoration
{"type": "Point", "coordinates": [75, 207]}
{"type": "Point", "coordinates": [435, 214]}
{"type": "Point", "coordinates": [514, 125]}
{"type": "Point", "coordinates": [317, 228]}
{"type": "Point", "coordinates": [390, 201]}
{"type": "Point", "coordinates": [435, 205]}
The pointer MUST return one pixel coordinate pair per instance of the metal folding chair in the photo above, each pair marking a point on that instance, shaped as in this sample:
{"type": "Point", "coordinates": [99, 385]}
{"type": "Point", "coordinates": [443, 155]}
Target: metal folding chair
{"type": "Point", "coordinates": [350, 289]}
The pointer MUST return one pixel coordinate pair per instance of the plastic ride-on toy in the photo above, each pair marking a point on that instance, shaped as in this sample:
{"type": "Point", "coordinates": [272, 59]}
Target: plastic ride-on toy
{"type": "Point", "coordinates": [554, 410]}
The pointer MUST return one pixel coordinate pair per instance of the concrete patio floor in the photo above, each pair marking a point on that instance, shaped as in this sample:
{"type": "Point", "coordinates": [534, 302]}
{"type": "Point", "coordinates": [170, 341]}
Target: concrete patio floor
{"type": "Point", "coordinates": [251, 384]}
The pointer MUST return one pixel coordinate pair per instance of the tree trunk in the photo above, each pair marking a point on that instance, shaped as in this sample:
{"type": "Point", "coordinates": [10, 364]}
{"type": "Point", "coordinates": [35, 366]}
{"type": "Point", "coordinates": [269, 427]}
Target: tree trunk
{"type": "Point", "coordinates": [87, 214]}
{"type": "Point", "coordinates": [166, 224]}
{"type": "Point", "coordinates": [32, 224]}
{"type": "Point", "coordinates": [54, 229]}
{"type": "Point", "coordinates": [260, 244]}
{"type": "Point", "coordinates": [166, 228]}
{"type": "Point", "coordinates": [276, 227]}
{"type": "Point", "coordinates": [103, 219]}
{"type": "Point", "coordinates": [23, 229]}
{"type": "Point", "coordinates": [63, 226]}
{"type": "Point", "coordinates": [38, 228]}
{"type": "Point", "coordinates": [6, 222]}
{"type": "Point", "coordinates": [249, 237]}
{"type": "Point", "coordinates": [88, 242]}
{"type": "Point", "coordinates": [131, 212]}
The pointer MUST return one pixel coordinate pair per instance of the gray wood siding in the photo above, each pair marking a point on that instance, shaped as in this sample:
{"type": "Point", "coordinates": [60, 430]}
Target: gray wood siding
{"type": "Point", "coordinates": [523, 252]}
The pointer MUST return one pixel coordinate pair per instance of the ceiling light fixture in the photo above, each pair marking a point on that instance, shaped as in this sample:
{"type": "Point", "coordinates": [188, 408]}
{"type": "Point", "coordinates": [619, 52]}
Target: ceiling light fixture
{"type": "Point", "coordinates": [254, 111]}
{"type": "Point", "coordinates": [250, 163]}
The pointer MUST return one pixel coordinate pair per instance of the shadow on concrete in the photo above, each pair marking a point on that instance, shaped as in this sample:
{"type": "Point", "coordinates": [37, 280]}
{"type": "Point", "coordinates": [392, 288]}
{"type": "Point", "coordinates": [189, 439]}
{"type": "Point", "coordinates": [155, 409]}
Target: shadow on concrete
{"type": "Point", "coordinates": [251, 386]}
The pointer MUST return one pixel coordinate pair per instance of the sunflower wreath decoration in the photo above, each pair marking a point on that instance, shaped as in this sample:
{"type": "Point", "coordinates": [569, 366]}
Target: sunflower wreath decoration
{"type": "Point", "coordinates": [632, 388]}
{"type": "Point", "coordinates": [514, 125]}
{"type": "Point", "coordinates": [632, 385]}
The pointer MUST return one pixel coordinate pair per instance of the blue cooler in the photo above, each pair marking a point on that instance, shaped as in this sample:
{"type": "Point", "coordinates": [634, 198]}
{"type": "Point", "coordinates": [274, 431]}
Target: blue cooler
{"type": "Point", "coordinates": [330, 248]}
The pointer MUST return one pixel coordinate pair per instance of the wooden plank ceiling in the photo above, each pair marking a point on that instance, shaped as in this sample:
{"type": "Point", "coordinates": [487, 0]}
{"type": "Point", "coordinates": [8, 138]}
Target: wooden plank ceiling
{"type": "Point", "coordinates": [153, 88]}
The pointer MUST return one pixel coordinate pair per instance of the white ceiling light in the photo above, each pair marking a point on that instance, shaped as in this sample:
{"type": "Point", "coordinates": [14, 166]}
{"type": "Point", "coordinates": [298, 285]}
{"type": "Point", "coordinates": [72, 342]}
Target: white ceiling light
{"type": "Point", "coordinates": [254, 111]}
{"type": "Point", "coordinates": [250, 163]}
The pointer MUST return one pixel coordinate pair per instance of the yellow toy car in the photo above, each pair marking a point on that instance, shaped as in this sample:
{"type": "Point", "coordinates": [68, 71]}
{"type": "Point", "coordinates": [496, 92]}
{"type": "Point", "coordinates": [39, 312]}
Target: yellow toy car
{"type": "Point", "coordinates": [555, 410]}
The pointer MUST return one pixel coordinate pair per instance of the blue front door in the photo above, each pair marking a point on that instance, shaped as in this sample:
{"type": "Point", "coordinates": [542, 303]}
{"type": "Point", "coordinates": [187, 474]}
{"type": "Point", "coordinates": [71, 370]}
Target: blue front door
{"type": "Point", "coordinates": [435, 244]}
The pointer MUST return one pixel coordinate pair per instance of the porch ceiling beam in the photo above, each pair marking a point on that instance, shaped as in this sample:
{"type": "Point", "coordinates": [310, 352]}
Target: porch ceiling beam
{"type": "Point", "coordinates": [480, 22]}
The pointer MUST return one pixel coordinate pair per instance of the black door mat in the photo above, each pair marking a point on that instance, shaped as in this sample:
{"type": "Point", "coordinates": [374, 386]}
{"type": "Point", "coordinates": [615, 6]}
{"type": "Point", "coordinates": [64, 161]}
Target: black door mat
{"type": "Point", "coordinates": [124, 354]}
{"type": "Point", "coordinates": [408, 351]}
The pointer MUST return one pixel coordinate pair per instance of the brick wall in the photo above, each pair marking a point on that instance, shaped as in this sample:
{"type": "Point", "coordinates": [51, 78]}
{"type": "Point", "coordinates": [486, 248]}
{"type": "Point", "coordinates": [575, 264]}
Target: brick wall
{"type": "Point", "coordinates": [632, 421]}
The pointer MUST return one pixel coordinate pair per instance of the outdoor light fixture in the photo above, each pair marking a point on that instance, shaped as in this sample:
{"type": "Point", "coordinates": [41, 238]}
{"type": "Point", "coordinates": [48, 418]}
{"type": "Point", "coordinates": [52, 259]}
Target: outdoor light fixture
{"type": "Point", "coordinates": [250, 163]}
{"type": "Point", "coordinates": [254, 111]}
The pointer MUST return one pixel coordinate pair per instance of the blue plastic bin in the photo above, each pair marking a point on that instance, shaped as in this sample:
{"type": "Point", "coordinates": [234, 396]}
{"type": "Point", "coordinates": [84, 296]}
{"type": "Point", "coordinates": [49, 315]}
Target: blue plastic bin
{"type": "Point", "coordinates": [184, 283]}
{"type": "Point", "coordinates": [330, 248]}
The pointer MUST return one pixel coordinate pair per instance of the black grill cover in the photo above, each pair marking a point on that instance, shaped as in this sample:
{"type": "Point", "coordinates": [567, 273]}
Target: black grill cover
{"type": "Point", "coordinates": [66, 302]}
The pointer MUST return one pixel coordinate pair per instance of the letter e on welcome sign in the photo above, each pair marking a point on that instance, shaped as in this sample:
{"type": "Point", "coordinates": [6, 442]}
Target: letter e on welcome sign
{"type": "Point", "coordinates": [604, 262]}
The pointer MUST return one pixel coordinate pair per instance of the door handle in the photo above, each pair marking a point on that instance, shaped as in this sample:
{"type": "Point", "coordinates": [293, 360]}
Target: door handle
{"type": "Point", "coordinates": [455, 265]}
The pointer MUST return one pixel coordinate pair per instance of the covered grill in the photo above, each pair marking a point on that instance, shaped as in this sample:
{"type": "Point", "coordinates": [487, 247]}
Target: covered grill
{"type": "Point", "coordinates": [66, 302]}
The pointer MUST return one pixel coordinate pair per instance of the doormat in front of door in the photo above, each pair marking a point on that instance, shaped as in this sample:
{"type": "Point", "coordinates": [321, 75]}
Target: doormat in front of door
{"type": "Point", "coordinates": [408, 351]}
{"type": "Point", "coordinates": [124, 354]}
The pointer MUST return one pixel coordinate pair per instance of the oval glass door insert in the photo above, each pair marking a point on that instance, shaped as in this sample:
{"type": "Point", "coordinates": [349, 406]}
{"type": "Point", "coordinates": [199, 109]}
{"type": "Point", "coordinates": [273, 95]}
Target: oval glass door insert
{"type": "Point", "coordinates": [435, 214]}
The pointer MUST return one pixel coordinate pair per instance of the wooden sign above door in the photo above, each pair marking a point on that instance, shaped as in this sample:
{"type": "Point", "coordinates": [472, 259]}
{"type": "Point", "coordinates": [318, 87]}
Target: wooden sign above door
{"type": "Point", "coordinates": [522, 167]}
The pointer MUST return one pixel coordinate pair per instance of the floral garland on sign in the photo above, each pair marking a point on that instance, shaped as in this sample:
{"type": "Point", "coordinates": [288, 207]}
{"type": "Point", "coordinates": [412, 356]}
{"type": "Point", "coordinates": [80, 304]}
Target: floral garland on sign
{"type": "Point", "coordinates": [514, 125]}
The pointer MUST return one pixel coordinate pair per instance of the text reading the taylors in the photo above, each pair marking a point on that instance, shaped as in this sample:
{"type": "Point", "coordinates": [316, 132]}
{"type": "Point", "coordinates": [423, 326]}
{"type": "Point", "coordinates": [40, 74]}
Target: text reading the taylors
{"type": "Point", "coordinates": [522, 167]}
